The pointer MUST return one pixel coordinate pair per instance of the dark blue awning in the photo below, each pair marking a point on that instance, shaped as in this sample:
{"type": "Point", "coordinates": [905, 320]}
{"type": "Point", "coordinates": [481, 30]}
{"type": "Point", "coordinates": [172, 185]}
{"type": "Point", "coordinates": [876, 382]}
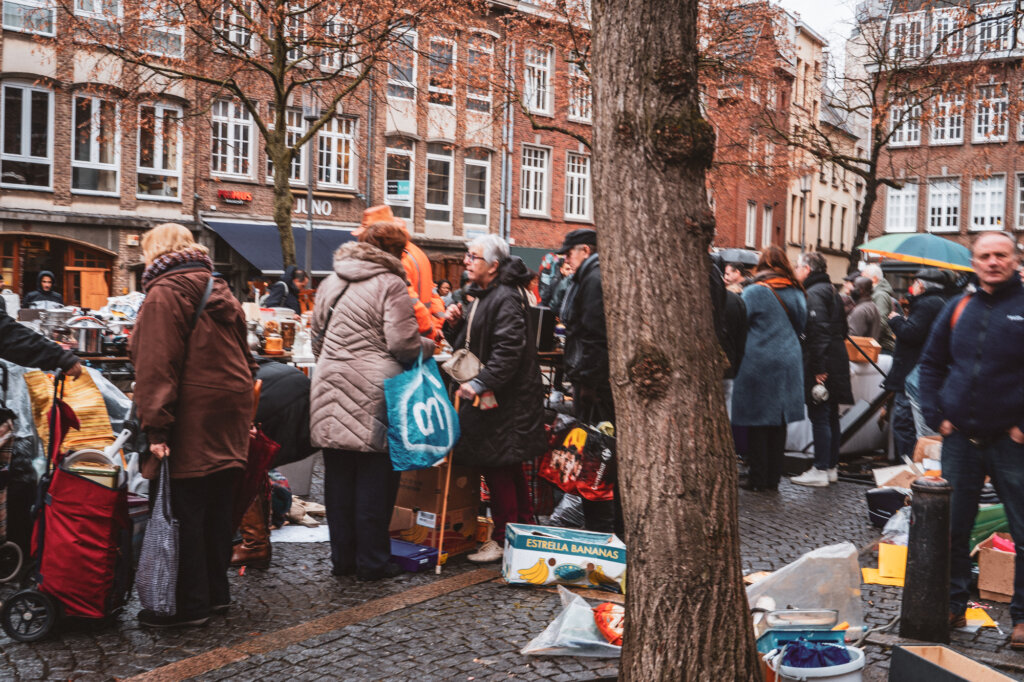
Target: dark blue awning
{"type": "Point", "coordinates": [260, 244]}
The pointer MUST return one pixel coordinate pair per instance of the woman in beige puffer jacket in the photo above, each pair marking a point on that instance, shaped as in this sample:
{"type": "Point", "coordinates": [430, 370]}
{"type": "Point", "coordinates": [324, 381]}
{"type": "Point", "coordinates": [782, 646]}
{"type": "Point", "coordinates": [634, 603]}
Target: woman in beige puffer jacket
{"type": "Point", "coordinates": [370, 336]}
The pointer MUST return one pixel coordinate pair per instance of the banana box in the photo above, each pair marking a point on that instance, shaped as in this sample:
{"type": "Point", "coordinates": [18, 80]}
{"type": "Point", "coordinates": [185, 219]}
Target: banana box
{"type": "Point", "coordinates": [544, 555]}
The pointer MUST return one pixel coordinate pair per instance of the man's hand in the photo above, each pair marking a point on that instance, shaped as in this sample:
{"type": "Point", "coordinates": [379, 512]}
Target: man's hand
{"type": "Point", "coordinates": [1016, 435]}
{"type": "Point", "coordinates": [75, 371]}
{"type": "Point", "coordinates": [820, 378]}
{"type": "Point", "coordinates": [946, 428]}
{"type": "Point", "coordinates": [454, 313]}
{"type": "Point", "coordinates": [159, 450]}
{"type": "Point", "coordinates": [467, 392]}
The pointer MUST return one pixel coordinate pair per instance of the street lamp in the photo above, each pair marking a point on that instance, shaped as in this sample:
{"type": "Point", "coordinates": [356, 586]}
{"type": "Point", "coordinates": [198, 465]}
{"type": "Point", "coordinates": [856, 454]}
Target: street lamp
{"type": "Point", "coordinates": [805, 187]}
{"type": "Point", "coordinates": [310, 114]}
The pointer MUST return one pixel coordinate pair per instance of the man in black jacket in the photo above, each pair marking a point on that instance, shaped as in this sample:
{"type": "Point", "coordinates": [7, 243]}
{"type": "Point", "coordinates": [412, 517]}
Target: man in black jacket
{"type": "Point", "coordinates": [971, 377]}
{"type": "Point", "coordinates": [44, 292]}
{"type": "Point", "coordinates": [826, 363]}
{"type": "Point", "coordinates": [284, 293]}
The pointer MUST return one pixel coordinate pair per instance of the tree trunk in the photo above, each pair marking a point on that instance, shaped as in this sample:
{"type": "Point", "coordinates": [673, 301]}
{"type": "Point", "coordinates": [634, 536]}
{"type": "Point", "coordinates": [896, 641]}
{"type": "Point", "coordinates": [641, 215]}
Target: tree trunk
{"type": "Point", "coordinates": [283, 203]}
{"type": "Point", "coordinates": [686, 609]}
{"type": "Point", "coordinates": [863, 221]}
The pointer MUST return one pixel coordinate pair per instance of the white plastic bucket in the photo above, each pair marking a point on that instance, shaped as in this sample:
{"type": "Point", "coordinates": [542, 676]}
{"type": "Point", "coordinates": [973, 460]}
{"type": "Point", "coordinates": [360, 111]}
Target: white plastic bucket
{"type": "Point", "coordinates": [847, 672]}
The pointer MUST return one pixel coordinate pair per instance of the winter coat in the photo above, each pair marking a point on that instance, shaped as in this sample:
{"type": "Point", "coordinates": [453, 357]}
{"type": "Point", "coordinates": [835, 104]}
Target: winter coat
{"type": "Point", "coordinates": [38, 296]}
{"type": "Point", "coordinates": [193, 387]}
{"type": "Point", "coordinates": [371, 336]}
{"type": "Point", "coordinates": [864, 320]}
{"type": "Point", "coordinates": [769, 388]}
{"type": "Point", "coordinates": [824, 340]}
{"type": "Point", "coordinates": [884, 299]}
{"type": "Point", "coordinates": [22, 346]}
{"type": "Point", "coordinates": [283, 410]}
{"type": "Point", "coordinates": [912, 333]}
{"type": "Point", "coordinates": [283, 293]}
{"type": "Point", "coordinates": [427, 304]}
{"type": "Point", "coordinates": [586, 338]}
{"type": "Point", "coordinates": [503, 339]}
{"type": "Point", "coordinates": [972, 373]}
{"type": "Point", "coordinates": [730, 320]}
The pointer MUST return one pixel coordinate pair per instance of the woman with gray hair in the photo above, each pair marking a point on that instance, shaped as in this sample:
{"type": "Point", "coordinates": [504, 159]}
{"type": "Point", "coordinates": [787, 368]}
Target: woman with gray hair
{"type": "Point", "coordinates": [502, 411]}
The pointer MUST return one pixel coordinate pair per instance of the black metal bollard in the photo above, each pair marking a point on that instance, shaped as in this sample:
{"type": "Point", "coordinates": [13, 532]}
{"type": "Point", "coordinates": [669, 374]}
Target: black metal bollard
{"type": "Point", "coordinates": [924, 614]}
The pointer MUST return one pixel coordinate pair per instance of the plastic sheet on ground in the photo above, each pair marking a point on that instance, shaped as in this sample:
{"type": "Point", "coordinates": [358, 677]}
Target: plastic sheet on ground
{"type": "Point", "coordinates": [826, 578]}
{"type": "Point", "coordinates": [573, 633]}
{"type": "Point", "coordinates": [292, 533]}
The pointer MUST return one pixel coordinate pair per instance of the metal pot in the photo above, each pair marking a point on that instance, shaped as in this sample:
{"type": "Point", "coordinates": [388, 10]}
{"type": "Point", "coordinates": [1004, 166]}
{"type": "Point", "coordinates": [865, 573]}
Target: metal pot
{"type": "Point", "coordinates": [87, 334]}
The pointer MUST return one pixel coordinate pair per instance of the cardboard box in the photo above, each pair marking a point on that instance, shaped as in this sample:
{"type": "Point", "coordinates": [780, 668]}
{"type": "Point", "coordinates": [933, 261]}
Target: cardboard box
{"type": "Point", "coordinates": [867, 344]}
{"type": "Point", "coordinates": [928, 447]}
{"type": "Point", "coordinates": [417, 512]}
{"type": "Point", "coordinates": [933, 663]}
{"type": "Point", "coordinates": [424, 488]}
{"type": "Point", "coordinates": [995, 570]}
{"type": "Point", "coordinates": [459, 528]}
{"type": "Point", "coordinates": [544, 555]}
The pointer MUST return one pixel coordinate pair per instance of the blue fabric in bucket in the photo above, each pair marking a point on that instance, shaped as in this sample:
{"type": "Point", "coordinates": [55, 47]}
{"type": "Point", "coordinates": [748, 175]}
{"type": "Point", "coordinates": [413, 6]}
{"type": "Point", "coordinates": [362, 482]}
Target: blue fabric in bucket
{"type": "Point", "coordinates": [806, 654]}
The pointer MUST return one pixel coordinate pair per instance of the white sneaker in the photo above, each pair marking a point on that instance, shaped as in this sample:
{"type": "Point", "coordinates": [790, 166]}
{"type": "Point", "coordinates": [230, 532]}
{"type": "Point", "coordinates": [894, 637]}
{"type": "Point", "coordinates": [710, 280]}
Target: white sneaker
{"type": "Point", "coordinates": [833, 475]}
{"type": "Point", "coordinates": [488, 552]}
{"type": "Point", "coordinates": [816, 478]}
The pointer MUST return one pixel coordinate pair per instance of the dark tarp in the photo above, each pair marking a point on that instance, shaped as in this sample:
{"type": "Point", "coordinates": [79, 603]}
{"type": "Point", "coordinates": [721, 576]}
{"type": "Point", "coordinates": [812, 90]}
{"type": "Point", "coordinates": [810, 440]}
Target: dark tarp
{"type": "Point", "coordinates": [260, 244]}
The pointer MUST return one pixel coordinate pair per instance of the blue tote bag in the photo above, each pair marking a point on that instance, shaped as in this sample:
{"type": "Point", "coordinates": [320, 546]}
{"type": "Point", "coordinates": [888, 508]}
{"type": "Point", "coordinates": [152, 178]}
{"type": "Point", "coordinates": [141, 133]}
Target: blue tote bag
{"type": "Point", "coordinates": [423, 426]}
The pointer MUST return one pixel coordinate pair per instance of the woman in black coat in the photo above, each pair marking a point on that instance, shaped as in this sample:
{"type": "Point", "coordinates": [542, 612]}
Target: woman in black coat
{"type": "Point", "coordinates": [502, 410]}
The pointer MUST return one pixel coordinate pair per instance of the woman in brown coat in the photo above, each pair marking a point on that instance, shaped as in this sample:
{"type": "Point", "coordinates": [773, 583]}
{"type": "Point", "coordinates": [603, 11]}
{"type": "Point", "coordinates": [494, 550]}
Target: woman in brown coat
{"type": "Point", "coordinates": [370, 334]}
{"type": "Point", "coordinates": [193, 395]}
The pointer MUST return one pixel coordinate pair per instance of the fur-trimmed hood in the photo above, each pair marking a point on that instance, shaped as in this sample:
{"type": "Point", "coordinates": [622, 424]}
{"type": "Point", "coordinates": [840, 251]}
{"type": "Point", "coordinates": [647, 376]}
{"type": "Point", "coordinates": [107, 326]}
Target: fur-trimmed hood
{"type": "Point", "coordinates": [356, 261]}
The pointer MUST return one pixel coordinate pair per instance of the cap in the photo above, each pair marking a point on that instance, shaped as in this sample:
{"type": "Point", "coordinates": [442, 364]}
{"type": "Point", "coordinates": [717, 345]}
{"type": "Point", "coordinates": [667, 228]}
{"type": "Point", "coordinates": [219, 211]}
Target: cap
{"type": "Point", "coordinates": [576, 238]}
{"type": "Point", "coordinates": [932, 275]}
{"type": "Point", "coordinates": [380, 214]}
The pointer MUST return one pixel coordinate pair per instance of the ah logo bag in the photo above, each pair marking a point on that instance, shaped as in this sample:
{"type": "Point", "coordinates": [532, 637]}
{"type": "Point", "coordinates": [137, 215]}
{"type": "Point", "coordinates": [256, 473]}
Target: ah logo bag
{"type": "Point", "coordinates": [423, 426]}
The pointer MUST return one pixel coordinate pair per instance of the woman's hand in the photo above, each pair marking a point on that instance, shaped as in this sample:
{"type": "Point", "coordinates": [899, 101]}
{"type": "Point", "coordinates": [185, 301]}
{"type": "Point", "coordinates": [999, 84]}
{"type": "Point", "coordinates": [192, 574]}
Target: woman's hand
{"type": "Point", "coordinates": [75, 371]}
{"type": "Point", "coordinates": [454, 313]}
{"type": "Point", "coordinates": [159, 450]}
{"type": "Point", "coordinates": [467, 392]}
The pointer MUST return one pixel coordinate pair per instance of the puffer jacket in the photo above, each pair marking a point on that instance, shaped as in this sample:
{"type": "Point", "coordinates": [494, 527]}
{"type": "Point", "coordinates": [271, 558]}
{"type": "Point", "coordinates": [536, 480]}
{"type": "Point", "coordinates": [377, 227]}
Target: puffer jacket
{"type": "Point", "coordinates": [40, 296]}
{"type": "Point", "coordinates": [371, 334]}
{"type": "Point", "coordinates": [501, 337]}
{"type": "Point", "coordinates": [824, 336]}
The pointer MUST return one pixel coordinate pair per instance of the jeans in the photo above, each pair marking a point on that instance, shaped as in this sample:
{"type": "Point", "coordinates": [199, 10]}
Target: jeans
{"type": "Point", "coordinates": [359, 494]}
{"type": "Point", "coordinates": [965, 466]}
{"type": "Point", "coordinates": [825, 429]}
{"type": "Point", "coordinates": [904, 430]}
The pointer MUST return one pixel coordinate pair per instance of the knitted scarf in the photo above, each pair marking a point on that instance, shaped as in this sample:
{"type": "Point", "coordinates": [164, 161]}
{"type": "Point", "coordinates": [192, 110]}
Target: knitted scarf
{"type": "Point", "coordinates": [170, 260]}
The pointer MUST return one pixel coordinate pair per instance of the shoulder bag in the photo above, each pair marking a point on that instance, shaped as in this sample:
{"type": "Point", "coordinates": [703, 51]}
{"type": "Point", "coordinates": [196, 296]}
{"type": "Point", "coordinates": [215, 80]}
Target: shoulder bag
{"type": "Point", "coordinates": [463, 366]}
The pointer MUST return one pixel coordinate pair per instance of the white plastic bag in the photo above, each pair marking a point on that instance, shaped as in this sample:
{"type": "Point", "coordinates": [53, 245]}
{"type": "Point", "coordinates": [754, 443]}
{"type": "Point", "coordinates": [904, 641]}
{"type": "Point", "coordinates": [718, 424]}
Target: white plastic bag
{"type": "Point", "coordinates": [573, 633]}
{"type": "Point", "coordinates": [897, 528]}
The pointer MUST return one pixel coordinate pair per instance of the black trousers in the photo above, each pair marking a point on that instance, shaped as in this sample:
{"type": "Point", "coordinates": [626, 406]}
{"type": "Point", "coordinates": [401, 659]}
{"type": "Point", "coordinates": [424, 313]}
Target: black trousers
{"type": "Point", "coordinates": [359, 493]}
{"type": "Point", "coordinates": [203, 508]}
{"type": "Point", "coordinates": [766, 450]}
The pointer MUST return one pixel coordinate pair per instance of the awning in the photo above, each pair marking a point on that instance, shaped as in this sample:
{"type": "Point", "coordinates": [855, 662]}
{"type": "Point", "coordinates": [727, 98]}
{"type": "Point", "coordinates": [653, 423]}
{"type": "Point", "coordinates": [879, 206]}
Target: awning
{"type": "Point", "coordinates": [260, 244]}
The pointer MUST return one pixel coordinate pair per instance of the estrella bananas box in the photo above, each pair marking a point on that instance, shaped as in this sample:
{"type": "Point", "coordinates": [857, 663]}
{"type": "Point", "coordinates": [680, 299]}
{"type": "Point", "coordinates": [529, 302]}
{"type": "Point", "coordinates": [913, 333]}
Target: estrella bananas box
{"type": "Point", "coordinates": [545, 555]}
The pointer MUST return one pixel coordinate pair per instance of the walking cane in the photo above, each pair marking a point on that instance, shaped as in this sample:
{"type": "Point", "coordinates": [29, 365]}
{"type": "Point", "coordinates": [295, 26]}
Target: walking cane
{"type": "Point", "coordinates": [444, 503]}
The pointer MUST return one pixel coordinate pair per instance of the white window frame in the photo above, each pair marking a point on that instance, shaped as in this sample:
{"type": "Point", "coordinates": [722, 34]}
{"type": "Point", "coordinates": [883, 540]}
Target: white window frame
{"type": "Point", "coordinates": [944, 205]}
{"type": "Point", "coordinates": [578, 187]}
{"type": "Point", "coordinates": [337, 139]}
{"type": "Point", "coordinates": [93, 9]}
{"type": "Point", "coordinates": [948, 33]}
{"type": "Point", "coordinates": [537, 72]}
{"type": "Point", "coordinates": [389, 199]}
{"type": "Point", "coordinates": [159, 113]}
{"type": "Point", "coordinates": [901, 208]}
{"type": "Point", "coordinates": [581, 92]}
{"type": "Point", "coordinates": [993, 116]}
{"type": "Point", "coordinates": [26, 131]}
{"type": "Point", "coordinates": [988, 203]}
{"type": "Point", "coordinates": [295, 31]}
{"type": "Point", "coordinates": [767, 216]}
{"type": "Point", "coordinates": [994, 28]}
{"type": "Point", "coordinates": [907, 32]}
{"type": "Point", "coordinates": [94, 144]}
{"type": "Point", "coordinates": [399, 87]}
{"type": "Point", "coordinates": [295, 127]}
{"type": "Point", "coordinates": [232, 28]}
{"type": "Point", "coordinates": [750, 234]}
{"type": "Point", "coordinates": [535, 182]}
{"type": "Point", "coordinates": [485, 212]}
{"type": "Point", "coordinates": [443, 155]}
{"type": "Point", "coordinates": [483, 46]}
{"type": "Point", "coordinates": [32, 11]}
{"type": "Point", "coordinates": [237, 119]}
{"type": "Point", "coordinates": [907, 133]}
{"type": "Point", "coordinates": [438, 94]}
{"type": "Point", "coordinates": [163, 25]}
{"type": "Point", "coordinates": [342, 57]}
{"type": "Point", "coordinates": [947, 126]}
{"type": "Point", "coordinates": [1020, 201]}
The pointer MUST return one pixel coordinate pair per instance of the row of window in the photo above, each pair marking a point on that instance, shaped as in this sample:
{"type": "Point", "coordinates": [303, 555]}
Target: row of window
{"type": "Point", "coordinates": [990, 123]}
{"type": "Point", "coordinates": [952, 32]}
{"type": "Point", "coordinates": [750, 234]}
{"type": "Point", "coordinates": [987, 205]}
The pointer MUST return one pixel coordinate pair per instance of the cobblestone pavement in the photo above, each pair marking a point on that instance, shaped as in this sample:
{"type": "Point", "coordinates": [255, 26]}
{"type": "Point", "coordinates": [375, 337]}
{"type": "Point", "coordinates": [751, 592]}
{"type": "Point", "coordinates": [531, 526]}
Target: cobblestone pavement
{"type": "Point", "coordinates": [471, 633]}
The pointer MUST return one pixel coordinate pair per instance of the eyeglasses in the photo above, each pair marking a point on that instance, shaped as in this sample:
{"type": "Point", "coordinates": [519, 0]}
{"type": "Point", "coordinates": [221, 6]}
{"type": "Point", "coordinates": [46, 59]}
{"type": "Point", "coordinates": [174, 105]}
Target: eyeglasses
{"type": "Point", "coordinates": [470, 257]}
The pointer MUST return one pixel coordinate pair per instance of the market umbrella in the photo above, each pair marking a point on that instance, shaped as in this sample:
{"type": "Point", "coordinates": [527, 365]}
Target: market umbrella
{"type": "Point", "coordinates": [924, 249]}
{"type": "Point", "coordinates": [741, 256]}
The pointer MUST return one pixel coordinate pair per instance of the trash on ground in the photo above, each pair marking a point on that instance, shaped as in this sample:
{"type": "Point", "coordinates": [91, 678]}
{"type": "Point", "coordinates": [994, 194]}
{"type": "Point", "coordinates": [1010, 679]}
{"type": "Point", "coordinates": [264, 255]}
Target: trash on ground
{"type": "Point", "coordinates": [892, 561]}
{"type": "Point", "coordinates": [995, 567]}
{"type": "Point", "coordinates": [871, 577]}
{"type": "Point", "coordinates": [574, 632]}
{"type": "Point", "coordinates": [897, 528]}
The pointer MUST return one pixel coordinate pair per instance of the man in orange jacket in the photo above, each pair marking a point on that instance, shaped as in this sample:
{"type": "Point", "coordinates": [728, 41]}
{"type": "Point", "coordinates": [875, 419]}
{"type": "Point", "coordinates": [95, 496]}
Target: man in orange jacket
{"type": "Point", "coordinates": [428, 306]}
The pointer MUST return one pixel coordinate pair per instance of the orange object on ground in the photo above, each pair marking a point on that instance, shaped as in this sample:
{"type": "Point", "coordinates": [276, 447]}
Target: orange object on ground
{"type": "Point", "coordinates": [610, 620]}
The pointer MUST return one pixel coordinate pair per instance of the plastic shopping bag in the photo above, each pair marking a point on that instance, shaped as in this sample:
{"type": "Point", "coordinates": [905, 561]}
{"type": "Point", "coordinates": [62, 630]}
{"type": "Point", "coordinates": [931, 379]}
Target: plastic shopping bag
{"type": "Point", "coordinates": [574, 632]}
{"type": "Point", "coordinates": [422, 423]}
{"type": "Point", "coordinates": [157, 577]}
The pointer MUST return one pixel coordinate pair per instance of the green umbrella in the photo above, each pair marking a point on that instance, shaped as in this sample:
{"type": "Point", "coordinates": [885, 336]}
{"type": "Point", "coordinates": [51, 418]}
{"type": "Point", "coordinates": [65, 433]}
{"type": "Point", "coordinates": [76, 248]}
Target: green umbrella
{"type": "Point", "coordinates": [925, 249]}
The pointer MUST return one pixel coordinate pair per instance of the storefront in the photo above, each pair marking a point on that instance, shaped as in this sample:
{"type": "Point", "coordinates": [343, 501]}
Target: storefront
{"type": "Point", "coordinates": [82, 273]}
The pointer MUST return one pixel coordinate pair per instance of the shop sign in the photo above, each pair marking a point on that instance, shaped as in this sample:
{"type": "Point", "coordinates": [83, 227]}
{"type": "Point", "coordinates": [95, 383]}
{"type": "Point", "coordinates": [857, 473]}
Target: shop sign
{"type": "Point", "coordinates": [399, 189]}
{"type": "Point", "coordinates": [232, 196]}
{"type": "Point", "coordinates": [321, 207]}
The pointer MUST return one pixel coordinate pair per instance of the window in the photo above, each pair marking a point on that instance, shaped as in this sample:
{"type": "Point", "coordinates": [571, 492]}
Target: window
{"type": "Point", "coordinates": [26, 155]}
{"type": "Point", "coordinates": [477, 185]}
{"type": "Point", "coordinates": [995, 29]}
{"type": "Point", "coordinates": [581, 93]}
{"type": "Point", "coordinates": [905, 122]}
{"type": "Point", "coordinates": [766, 227]}
{"type": "Point", "coordinates": [901, 208]}
{"type": "Point", "coordinates": [441, 71]}
{"type": "Point", "coordinates": [947, 126]}
{"type": "Point", "coordinates": [907, 38]}
{"type": "Point", "coordinates": [232, 25]}
{"type": "Point", "coordinates": [159, 173]}
{"type": "Point", "coordinates": [30, 16]}
{"type": "Point", "coordinates": [161, 24]}
{"type": "Point", "coordinates": [295, 127]}
{"type": "Point", "coordinates": [944, 205]}
{"type": "Point", "coordinates": [537, 79]}
{"type": "Point", "coordinates": [398, 177]}
{"type": "Point", "coordinates": [339, 53]}
{"type": "Point", "coordinates": [577, 186]}
{"type": "Point", "coordinates": [533, 181]}
{"type": "Point", "coordinates": [479, 60]}
{"type": "Point", "coordinates": [439, 183]}
{"type": "Point", "coordinates": [232, 138]}
{"type": "Point", "coordinates": [295, 30]}
{"type": "Point", "coordinates": [336, 163]}
{"type": "Point", "coordinates": [842, 229]}
{"type": "Point", "coordinates": [751, 233]}
{"type": "Point", "coordinates": [95, 156]}
{"type": "Point", "coordinates": [949, 32]}
{"type": "Point", "coordinates": [1020, 201]}
{"type": "Point", "coordinates": [402, 66]}
{"type": "Point", "coordinates": [987, 203]}
{"type": "Point", "coordinates": [103, 10]}
{"type": "Point", "coordinates": [990, 117]}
